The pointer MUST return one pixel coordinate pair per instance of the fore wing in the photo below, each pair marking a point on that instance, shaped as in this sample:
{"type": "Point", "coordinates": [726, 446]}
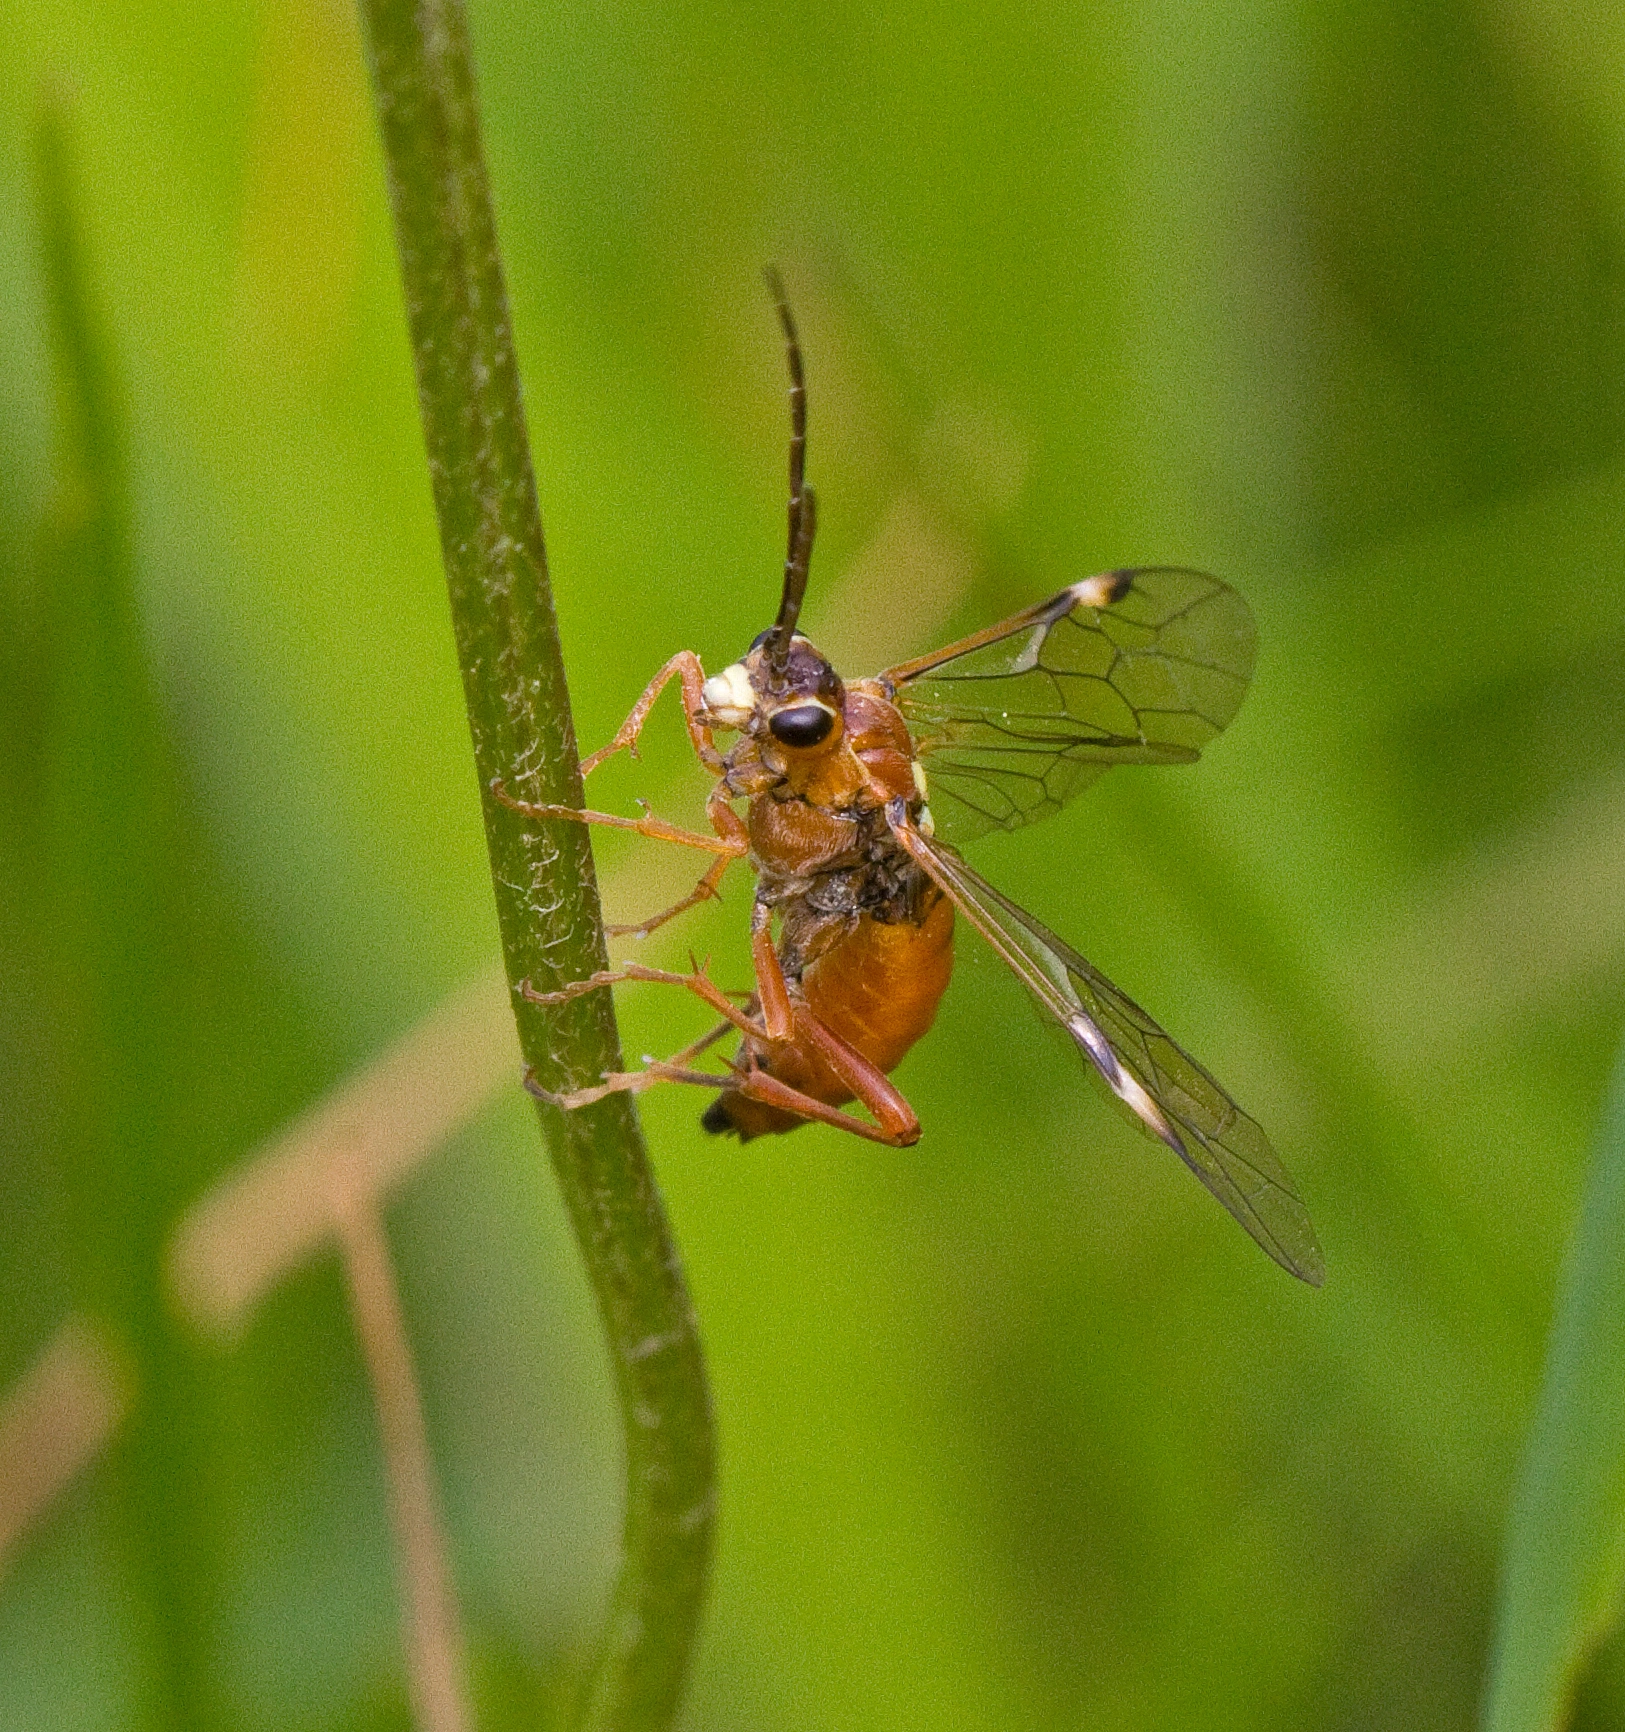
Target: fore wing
{"type": "Point", "coordinates": [1164, 1088]}
{"type": "Point", "coordinates": [1130, 667]}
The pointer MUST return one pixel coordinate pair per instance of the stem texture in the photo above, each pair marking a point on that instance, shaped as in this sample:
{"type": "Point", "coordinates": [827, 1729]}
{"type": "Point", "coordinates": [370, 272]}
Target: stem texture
{"type": "Point", "coordinates": [547, 899]}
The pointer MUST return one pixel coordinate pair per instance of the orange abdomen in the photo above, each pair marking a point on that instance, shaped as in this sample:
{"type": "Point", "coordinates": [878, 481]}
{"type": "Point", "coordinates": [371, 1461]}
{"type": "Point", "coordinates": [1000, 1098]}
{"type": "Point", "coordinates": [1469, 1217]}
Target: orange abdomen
{"type": "Point", "coordinates": [878, 988]}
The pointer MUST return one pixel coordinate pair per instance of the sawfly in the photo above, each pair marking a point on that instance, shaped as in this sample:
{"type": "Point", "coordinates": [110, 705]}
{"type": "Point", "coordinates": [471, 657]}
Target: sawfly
{"type": "Point", "coordinates": [853, 793]}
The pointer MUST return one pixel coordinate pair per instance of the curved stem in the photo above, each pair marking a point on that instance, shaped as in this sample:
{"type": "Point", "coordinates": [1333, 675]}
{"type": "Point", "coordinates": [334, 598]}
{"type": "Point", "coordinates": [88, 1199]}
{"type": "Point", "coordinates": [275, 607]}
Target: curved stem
{"type": "Point", "coordinates": [547, 899]}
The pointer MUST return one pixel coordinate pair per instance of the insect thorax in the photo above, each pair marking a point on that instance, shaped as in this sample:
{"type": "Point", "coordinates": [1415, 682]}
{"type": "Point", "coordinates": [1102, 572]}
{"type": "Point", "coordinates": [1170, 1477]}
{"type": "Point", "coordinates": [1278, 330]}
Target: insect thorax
{"type": "Point", "coordinates": [877, 880]}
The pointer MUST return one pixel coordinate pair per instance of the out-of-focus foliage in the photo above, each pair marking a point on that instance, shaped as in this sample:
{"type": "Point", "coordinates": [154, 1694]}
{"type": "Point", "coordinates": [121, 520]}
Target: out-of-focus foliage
{"type": "Point", "coordinates": [1017, 1429]}
{"type": "Point", "coordinates": [1566, 1548]}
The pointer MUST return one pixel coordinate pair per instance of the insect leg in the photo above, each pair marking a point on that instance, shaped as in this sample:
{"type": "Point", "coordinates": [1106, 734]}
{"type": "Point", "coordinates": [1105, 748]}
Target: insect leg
{"type": "Point", "coordinates": [618, 1082]}
{"type": "Point", "coordinates": [757, 1084]}
{"type": "Point", "coordinates": [634, 1082]}
{"type": "Point", "coordinates": [685, 665]}
{"type": "Point", "coordinates": [696, 982]}
{"type": "Point", "coordinates": [896, 1132]}
{"type": "Point", "coordinates": [658, 829]}
{"type": "Point", "coordinates": [731, 828]}
{"type": "Point", "coordinates": [870, 1086]}
{"type": "Point", "coordinates": [895, 1123]}
{"type": "Point", "coordinates": [778, 1019]}
{"type": "Point", "coordinates": [784, 1019]}
{"type": "Point", "coordinates": [695, 1048]}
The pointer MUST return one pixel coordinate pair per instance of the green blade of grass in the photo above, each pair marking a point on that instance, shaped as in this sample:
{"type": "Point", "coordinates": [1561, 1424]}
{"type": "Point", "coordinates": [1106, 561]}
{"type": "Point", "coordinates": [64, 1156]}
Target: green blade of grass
{"type": "Point", "coordinates": [547, 899]}
{"type": "Point", "coordinates": [114, 902]}
{"type": "Point", "coordinates": [1565, 1556]}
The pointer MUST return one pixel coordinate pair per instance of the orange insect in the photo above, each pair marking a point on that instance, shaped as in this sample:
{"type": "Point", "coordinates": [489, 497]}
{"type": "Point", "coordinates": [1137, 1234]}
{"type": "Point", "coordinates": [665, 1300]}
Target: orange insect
{"type": "Point", "coordinates": [852, 790]}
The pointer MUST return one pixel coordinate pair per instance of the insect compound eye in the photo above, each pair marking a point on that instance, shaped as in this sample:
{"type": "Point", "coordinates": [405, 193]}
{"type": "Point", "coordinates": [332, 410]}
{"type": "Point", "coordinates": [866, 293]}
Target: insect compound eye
{"type": "Point", "coordinates": [760, 638]}
{"type": "Point", "coordinates": [802, 725]}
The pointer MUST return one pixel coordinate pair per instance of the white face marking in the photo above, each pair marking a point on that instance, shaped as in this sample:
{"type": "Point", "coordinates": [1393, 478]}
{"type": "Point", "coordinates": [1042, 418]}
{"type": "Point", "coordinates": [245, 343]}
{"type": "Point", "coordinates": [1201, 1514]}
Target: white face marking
{"type": "Point", "coordinates": [919, 780]}
{"type": "Point", "coordinates": [728, 696]}
{"type": "Point", "coordinates": [1102, 589]}
{"type": "Point", "coordinates": [925, 823]}
{"type": "Point", "coordinates": [739, 685]}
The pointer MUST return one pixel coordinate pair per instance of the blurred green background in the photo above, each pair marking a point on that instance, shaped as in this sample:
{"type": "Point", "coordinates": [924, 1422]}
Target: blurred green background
{"type": "Point", "coordinates": [1017, 1429]}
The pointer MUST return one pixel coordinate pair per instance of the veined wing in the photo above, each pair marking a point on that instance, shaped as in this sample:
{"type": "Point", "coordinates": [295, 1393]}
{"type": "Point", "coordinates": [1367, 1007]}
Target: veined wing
{"type": "Point", "coordinates": [1129, 667]}
{"type": "Point", "coordinates": [1160, 1084]}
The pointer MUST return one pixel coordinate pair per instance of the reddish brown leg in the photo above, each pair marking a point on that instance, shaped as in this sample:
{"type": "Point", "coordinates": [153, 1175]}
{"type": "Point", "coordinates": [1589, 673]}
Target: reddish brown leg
{"type": "Point", "coordinates": [785, 1019]}
{"type": "Point", "coordinates": [778, 1019]}
{"type": "Point", "coordinates": [655, 828]}
{"type": "Point", "coordinates": [696, 982]}
{"type": "Point", "coordinates": [695, 1048]}
{"type": "Point", "coordinates": [730, 828]}
{"type": "Point", "coordinates": [870, 1086]}
{"type": "Point", "coordinates": [703, 891]}
{"type": "Point", "coordinates": [895, 1121]}
{"type": "Point", "coordinates": [756, 1084]}
{"type": "Point", "coordinates": [618, 1082]}
{"type": "Point", "coordinates": [731, 840]}
{"type": "Point", "coordinates": [685, 665]}
{"type": "Point", "coordinates": [634, 1082]}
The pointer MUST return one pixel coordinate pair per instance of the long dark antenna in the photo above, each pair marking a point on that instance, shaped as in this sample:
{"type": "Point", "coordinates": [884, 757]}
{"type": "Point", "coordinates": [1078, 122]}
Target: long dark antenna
{"type": "Point", "coordinates": [803, 504]}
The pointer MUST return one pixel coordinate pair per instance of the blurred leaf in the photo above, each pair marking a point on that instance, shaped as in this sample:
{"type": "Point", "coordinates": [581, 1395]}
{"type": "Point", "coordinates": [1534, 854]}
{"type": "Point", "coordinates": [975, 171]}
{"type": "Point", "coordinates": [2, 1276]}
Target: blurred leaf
{"type": "Point", "coordinates": [166, 1049]}
{"type": "Point", "coordinates": [113, 898]}
{"type": "Point", "coordinates": [1470, 244]}
{"type": "Point", "coordinates": [1565, 1557]}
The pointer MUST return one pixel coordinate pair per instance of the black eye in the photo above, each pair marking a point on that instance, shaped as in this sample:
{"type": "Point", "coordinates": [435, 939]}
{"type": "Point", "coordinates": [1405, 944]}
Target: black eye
{"type": "Point", "coordinates": [760, 638]}
{"type": "Point", "coordinates": [802, 725]}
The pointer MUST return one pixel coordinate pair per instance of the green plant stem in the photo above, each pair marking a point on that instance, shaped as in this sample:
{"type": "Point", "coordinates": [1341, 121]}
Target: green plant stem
{"type": "Point", "coordinates": [547, 899]}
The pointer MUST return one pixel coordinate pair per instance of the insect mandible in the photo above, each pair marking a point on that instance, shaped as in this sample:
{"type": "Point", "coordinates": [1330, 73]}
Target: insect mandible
{"type": "Point", "coordinates": [853, 792]}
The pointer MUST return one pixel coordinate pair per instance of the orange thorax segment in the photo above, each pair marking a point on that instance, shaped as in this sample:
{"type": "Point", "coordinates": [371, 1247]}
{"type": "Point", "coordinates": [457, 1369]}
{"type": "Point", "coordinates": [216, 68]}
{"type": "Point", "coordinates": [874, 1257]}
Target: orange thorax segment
{"type": "Point", "coordinates": [794, 838]}
{"type": "Point", "coordinates": [879, 739]}
{"type": "Point", "coordinates": [865, 762]}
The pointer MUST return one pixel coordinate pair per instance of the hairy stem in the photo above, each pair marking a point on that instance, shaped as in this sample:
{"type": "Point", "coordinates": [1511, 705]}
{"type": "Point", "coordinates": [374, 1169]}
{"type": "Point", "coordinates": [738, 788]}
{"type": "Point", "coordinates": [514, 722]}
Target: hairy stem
{"type": "Point", "coordinates": [547, 901]}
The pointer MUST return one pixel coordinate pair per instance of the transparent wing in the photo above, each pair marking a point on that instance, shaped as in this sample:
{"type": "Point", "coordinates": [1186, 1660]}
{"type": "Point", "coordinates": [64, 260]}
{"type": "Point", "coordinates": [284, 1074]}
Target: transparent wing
{"type": "Point", "coordinates": [1130, 667]}
{"type": "Point", "coordinates": [1159, 1083]}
